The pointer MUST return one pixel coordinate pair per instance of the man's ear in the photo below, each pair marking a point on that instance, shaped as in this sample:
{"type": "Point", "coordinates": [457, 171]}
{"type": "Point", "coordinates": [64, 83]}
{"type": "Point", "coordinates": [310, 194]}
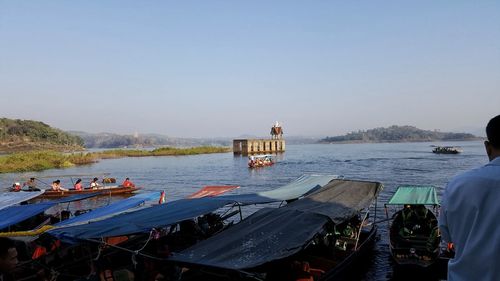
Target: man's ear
{"type": "Point", "coordinates": [489, 148]}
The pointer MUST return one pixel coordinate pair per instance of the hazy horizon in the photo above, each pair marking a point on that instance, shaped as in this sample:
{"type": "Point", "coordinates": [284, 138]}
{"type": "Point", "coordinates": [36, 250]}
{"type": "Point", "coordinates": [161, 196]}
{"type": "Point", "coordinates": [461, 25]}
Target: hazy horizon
{"type": "Point", "coordinates": [208, 69]}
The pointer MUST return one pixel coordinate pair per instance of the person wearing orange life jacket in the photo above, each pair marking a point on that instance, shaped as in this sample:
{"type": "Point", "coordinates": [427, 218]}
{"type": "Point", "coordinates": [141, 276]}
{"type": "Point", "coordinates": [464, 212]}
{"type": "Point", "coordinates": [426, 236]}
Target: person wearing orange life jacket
{"type": "Point", "coordinates": [128, 183]}
{"type": "Point", "coordinates": [78, 184]}
{"type": "Point", "coordinates": [16, 187]}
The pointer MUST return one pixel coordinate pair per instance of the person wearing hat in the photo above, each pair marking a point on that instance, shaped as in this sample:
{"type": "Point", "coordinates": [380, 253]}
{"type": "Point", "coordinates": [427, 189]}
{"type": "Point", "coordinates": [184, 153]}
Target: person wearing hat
{"type": "Point", "coordinates": [31, 184]}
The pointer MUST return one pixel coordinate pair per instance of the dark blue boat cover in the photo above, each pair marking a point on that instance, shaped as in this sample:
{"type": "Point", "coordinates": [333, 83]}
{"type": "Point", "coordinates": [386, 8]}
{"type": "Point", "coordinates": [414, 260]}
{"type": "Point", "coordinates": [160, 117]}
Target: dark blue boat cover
{"type": "Point", "coordinates": [173, 212]}
{"type": "Point", "coordinates": [113, 208]}
{"type": "Point", "coordinates": [273, 234]}
{"type": "Point", "coordinates": [140, 221]}
{"type": "Point", "coordinates": [16, 214]}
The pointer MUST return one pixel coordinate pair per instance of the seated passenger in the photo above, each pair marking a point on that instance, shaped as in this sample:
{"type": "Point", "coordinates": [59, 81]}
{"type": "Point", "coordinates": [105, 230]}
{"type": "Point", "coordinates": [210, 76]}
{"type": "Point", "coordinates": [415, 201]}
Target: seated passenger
{"type": "Point", "coordinates": [31, 185]}
{"type": "Point", "coordinates": [56, 186]}
{"type": "Point", "coordinates": [128, 183]}
{"type": "Point", "coordinates": [405, 220]}
{"type": "Point", "coordinates": [78, 184]}
{"type": "Point", "coordinates": [94, 184]}
{"type": "Point", "coordinates": [423, 220]}
{"type": "Point", "coordinates": [16, 187]}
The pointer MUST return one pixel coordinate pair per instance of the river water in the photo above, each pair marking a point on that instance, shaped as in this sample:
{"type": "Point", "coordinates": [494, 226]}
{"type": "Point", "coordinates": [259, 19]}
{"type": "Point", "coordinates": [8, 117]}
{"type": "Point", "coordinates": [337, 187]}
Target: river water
{"type": "Point", "coordinates": [392, 164]}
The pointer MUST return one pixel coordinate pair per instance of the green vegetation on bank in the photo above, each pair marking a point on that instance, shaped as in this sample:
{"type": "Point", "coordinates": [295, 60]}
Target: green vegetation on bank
{"type": "Point", "coordinates": [163, 151]}
{"type": "Point", "coordinates": [398, 134]}
{"type": "Point", "coordinates": [23, 135]}
{"type": "Point", "coordinates": [42, 160]}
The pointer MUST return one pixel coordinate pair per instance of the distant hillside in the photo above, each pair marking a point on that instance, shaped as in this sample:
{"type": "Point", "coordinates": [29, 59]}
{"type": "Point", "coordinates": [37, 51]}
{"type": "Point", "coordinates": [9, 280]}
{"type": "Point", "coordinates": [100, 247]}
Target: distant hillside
{"type": "Point", "coordinates": [398, 134]}
{"type": "Point", "coordinates": [22, 135]}
{"type": "Point", "coordinates": [108, 140]}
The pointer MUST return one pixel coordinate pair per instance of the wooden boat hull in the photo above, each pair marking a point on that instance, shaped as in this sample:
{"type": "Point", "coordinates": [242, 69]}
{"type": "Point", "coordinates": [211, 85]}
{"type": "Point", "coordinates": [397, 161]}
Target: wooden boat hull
{"type": "Point", "coordinates": [106, 191]}
{"type": "Point", "coordinates": [259, 165]}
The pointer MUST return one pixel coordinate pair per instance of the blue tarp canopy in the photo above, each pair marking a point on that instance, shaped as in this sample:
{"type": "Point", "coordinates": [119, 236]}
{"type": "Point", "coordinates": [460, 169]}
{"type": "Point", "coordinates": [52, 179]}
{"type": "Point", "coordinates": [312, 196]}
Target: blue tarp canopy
{"type": "Point", "coordinates": [173, 212]}
{"type": "Point", "coordinates": [414, 195]}
{"type": "Point", "coordinates": [141, 220]}
{"type": "Point", "coordinates": [113, 208]}
{"type": "Point", "coordinates": [16, 214]}
{"type": "Point", "coordinates": [8, 199]}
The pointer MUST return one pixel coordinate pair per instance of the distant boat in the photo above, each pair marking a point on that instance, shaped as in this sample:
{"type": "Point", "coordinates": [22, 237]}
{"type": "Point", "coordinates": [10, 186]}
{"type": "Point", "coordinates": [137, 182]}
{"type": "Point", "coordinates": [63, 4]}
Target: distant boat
{"type": "Point", "coordinates": [447, 150]}
{"type": "Point", "coordinates": [256, 161]}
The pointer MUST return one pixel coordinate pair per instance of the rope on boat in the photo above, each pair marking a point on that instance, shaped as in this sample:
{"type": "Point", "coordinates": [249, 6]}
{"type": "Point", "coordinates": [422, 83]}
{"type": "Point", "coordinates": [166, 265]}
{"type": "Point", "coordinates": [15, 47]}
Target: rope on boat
{"type": "Point", "coordinates": [99, 249]}
{"type": "Point", "coordinates": [134, 252]}
{"type": "Point", "coordinates": [54, 275]}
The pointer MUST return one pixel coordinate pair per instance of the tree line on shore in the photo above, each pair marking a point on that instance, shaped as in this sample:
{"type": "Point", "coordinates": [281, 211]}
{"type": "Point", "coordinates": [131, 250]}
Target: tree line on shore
{"type": "Point", "coordinates": [34, 146]}
{"type": "Point", "coordinates": [398, 134]}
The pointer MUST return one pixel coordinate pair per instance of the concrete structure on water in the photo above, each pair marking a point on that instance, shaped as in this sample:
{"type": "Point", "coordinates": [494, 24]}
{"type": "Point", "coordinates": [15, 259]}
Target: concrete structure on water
{"type": "Point", "coordinates": [258, 146]}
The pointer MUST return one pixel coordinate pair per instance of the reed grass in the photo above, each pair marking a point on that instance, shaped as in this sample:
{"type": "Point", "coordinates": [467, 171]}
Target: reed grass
{"type": "Point", "coordinates": [43, 160]}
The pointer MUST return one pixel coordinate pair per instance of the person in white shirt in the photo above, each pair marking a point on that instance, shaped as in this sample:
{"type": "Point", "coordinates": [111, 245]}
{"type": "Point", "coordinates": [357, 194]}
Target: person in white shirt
{"type": "Point", "coordinates": [94, 184]}
{"type": "Point", "coordinates": [470, 216]}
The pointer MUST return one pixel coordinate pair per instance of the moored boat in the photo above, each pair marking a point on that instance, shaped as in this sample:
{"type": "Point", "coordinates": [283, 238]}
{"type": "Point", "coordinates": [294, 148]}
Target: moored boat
{"type": "Point", "coordinates": [447, 150]}
{"type": "Point", "coordinates": [413, 232]}
{"type": "Point", "coordinates": [27, 219]}
{"type": "Point", "coordinates": [157, 230]}
{"type": "Point", "coordinates": [317, 237]}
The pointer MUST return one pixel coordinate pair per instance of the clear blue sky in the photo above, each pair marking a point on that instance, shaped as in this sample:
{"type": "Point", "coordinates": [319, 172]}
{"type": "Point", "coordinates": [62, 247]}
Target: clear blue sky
{"type": "Point", "coordinates": [228, 68]}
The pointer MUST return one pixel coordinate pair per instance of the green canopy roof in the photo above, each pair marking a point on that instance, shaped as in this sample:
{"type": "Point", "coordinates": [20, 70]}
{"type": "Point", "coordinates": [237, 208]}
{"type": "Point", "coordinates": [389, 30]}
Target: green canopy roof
{"type": "Point", "coordinates": [414, 195]}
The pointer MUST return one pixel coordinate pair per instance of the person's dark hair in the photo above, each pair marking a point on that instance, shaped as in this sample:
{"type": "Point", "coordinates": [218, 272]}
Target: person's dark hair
{"type": "Point", "coordinates": [493, 131]}
{"type": "Point", "coordinates": [78, 181]}
{"type": "Point", "coordinates": [5, 245]}
{"type": "Point", "coordinates": [95, 179]}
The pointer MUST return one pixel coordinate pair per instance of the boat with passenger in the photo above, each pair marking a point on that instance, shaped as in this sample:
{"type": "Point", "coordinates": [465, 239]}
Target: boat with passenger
{"type": "Point", "coordinates": [447, 150]}
{"type": "Point", "coordinates": [23, 220]}
{"type": "Point", "coordinates": [413, 231]}
{"type": "Point", "coordinates": [256, 161]}
{"type": "Point", "coordinates": [104, 187]}
{"type": "Point", "coordinates": [150, 235]}
{"type": "Point", "coordinates": [102, 190]}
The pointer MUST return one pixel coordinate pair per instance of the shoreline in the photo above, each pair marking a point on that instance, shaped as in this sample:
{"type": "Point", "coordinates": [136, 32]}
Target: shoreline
{"type": "Point", "coordinates": [40, 160]}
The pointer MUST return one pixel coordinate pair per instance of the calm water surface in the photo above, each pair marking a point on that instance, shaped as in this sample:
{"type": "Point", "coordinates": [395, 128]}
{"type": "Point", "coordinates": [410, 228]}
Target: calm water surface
{"type": "Point", "coordinates": [391, 164]}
